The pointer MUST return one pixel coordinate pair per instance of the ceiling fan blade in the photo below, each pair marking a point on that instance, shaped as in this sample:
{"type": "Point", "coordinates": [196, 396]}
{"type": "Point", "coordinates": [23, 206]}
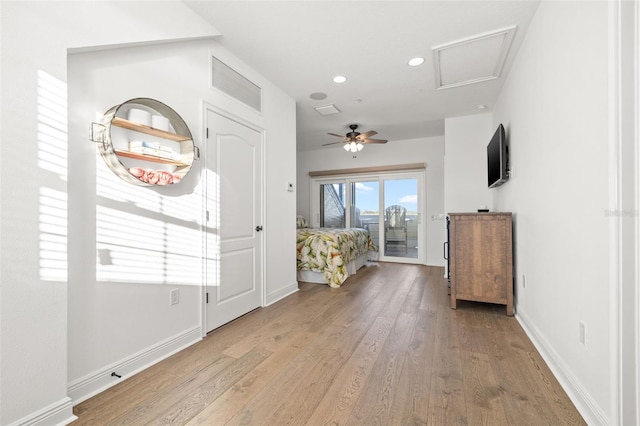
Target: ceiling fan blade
{"type": "Point", "coordinates": [374, 141]}
{"type": "Point", "coordinates": [365, 135]}
{"type": "Point", "coordinates": [333, 134]}
{"type": "Point", "coordinates": [332, 143]}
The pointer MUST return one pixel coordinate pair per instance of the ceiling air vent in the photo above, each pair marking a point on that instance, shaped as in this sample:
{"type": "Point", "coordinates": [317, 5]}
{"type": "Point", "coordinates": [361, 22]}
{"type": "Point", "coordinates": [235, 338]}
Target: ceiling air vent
{"type": "Point", "coordinates": [472, 60]}
{"type": "Point", "coordinates": [327, 109]}
{"type": "Point", "coordinates": [235, 84]}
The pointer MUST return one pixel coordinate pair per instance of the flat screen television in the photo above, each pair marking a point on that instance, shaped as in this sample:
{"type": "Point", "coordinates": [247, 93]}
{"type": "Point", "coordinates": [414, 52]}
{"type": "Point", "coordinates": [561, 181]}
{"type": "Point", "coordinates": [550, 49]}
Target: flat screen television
{"type": "Point", "coordinates": [498, 159]}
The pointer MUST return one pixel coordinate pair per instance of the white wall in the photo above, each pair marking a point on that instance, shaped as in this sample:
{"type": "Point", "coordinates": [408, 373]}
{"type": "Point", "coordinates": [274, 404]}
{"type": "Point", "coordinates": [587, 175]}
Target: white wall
{"type": "Point", "coordinates": [465, 163]}
{"type": "Point", "coordinates": [427, 150]}
{"type": "Point", "coordinates": [280, 206]}
{"type": "Point", "coordinates": [34, 351]}
{"type": "Point", "coordinates": [178, 75]}
{"type": "Point", "coordinates": [624, 209]}
{"type": "Point", "coordinates": [130, 314]}
{"type": "Point", "coordinates": [554, 106]}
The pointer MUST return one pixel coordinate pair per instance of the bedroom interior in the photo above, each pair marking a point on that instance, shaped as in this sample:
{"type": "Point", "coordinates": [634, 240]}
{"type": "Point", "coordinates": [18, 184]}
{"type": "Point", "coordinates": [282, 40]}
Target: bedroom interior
{"type": "Point", "coordinates": [105, 283]}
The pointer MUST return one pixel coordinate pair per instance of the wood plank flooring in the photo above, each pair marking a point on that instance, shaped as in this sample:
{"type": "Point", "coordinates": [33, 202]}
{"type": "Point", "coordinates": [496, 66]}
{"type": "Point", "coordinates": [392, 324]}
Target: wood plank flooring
{"type": "Point", "coordinates": [383, 349]}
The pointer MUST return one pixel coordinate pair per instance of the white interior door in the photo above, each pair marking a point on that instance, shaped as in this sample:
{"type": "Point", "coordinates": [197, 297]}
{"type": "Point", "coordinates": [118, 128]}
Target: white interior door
{"type": "Point", "coordinates": [233, 239]}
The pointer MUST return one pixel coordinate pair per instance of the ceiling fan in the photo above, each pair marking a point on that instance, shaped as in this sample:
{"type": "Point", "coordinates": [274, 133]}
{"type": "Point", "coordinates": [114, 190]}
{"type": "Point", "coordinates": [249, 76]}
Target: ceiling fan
{"type": "Point", "coordinates": [354, 141]}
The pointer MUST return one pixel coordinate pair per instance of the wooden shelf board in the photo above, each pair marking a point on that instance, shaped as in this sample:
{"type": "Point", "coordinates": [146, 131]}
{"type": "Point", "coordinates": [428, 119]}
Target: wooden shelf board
{"type": "Point", "coordinates": [130, 125]}
{"type": "Point", "coordinates": [137, 156]}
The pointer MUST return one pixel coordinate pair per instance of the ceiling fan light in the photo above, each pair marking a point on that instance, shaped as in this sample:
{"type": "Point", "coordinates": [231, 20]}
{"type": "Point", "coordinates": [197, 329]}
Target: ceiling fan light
{"type": "Point", "coordinates": [347, 147]}
{"type": "Point", "coordinates": [359, 146]}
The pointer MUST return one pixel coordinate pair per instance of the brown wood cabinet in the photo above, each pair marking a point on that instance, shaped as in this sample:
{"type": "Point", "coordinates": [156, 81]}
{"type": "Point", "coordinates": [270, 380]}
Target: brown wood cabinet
{"type": "Point", "coordinates": [481, 258]}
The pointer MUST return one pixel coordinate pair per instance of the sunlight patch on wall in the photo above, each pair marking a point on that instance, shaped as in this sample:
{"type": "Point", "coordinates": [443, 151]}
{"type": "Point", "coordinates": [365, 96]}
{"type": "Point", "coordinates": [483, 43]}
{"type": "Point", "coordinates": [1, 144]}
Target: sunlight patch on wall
{"type": "Point", "coordinates": [52, 124]}
{"type": "Point", "coordinates": [52, 158]}
{"type": "Point", "coordinates": [53, 234]}
{"type": "Point", "coordinates": [146, 237]}
{"type": "Point", "coordinates": [136, 248]}
{"type": "Point", "coordinates": [111, 189]}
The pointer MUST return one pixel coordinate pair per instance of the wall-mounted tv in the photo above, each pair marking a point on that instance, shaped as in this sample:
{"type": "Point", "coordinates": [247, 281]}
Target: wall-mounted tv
{"type": "Point", "coordinates": [498, 159]}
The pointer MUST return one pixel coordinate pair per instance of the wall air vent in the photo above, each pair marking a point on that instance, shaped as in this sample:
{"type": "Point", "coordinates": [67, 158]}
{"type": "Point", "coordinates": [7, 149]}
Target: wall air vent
{"type": "Point", "coordinates": [472, 60]}
{"type": "Point", "coordinates": [234, 84]}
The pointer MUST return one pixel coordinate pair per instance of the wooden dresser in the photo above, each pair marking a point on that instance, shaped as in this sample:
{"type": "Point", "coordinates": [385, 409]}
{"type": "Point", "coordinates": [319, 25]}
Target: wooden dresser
{"type": "Point", "coordinates": [481, 258]}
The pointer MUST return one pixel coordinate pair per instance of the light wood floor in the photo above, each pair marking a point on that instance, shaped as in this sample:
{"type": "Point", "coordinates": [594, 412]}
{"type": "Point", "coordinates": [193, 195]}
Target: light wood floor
{"type": "Point", "coordinates": [383, 349]}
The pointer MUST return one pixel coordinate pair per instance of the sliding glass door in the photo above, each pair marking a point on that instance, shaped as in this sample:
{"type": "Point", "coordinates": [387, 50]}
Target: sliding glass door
{"type": "Point", "coordinates": [401, 218]}
{"type": "Point", "coordinates": [333, 206]}
{"type": "Point", "coordinates": [389, 206]}
{"type": "Point", "coordinates": [365, 211]}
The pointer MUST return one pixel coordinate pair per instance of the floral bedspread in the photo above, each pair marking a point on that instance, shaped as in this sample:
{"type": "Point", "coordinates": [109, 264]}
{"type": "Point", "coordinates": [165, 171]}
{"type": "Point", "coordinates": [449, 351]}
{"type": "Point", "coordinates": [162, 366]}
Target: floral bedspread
{"type": "Point", "coordinates": [328, 250]}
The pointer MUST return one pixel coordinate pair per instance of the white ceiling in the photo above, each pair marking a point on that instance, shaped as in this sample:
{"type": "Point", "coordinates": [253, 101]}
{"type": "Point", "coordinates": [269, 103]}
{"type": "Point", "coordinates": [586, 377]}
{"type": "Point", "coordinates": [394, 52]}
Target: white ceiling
{"type": "Point", "coordinates": [301, 45]}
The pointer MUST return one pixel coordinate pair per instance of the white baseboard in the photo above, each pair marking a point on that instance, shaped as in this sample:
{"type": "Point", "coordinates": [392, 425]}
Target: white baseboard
{"type": "Point", "coordinates": [281, 294]}
{"type": "Point", "coordinates": [584, 403]}
{"type": "Point", "coordinates": [58, 413]}
{"type": "Point", "coordinates": [100, 380]}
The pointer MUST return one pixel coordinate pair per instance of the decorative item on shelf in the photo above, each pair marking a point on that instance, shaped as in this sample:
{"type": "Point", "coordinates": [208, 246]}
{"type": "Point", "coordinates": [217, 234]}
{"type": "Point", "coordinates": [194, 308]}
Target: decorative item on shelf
{"type": "Point", "coordinates": [140, 116]}
{"type": "Point", "coordinates": [163, 157]}
{"type": "Point", "coordinates": [154, 149]}
{"type": "Point", "coordinates": [160, 122]}
{"type": "Point", "coordinates": [154, 177]}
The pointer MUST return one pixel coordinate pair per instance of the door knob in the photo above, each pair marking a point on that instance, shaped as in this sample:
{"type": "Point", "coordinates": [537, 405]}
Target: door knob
{"type": "Point", "coordinates": [258, 228]}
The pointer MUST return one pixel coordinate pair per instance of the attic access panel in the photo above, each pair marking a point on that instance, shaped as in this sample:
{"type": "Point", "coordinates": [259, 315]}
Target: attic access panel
{"type": "Point", "coordinates": [473, 59]}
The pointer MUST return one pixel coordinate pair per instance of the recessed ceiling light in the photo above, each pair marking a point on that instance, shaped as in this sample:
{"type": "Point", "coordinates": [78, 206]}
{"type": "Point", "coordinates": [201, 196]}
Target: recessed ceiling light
{"type": "Point", "coordinates": [482, 107]}
{"type": "Point", "coordinates": [414, 62]}
{"type": "Point", "coordinates": [339, 79]}
{"type": "Point", "coordinates": [318, 96]}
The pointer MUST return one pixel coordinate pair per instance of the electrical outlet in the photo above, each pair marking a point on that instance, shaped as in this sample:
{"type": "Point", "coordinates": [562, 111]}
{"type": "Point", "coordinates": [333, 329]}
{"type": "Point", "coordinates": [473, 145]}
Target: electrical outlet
{"type": "Point", "coordinates": [583, 333]}
{"type": "Point", "coordinates": [175, 296]}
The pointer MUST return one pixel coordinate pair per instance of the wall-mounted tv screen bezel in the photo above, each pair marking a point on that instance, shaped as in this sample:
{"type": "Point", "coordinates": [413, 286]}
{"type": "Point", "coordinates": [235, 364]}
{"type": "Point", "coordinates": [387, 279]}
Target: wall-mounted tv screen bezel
{"type": "Point", "coordinates": [497, 159]}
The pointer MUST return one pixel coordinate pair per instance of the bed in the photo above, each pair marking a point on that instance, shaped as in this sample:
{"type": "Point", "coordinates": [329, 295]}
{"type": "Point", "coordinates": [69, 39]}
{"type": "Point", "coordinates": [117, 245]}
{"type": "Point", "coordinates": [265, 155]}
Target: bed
{"type": "Point", "coordinates": [331, 255]}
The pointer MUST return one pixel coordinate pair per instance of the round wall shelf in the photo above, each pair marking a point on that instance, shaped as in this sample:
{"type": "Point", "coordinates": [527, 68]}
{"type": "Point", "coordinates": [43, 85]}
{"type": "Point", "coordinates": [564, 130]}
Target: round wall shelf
{"type": "Point", "coordinates": [145, 142]}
